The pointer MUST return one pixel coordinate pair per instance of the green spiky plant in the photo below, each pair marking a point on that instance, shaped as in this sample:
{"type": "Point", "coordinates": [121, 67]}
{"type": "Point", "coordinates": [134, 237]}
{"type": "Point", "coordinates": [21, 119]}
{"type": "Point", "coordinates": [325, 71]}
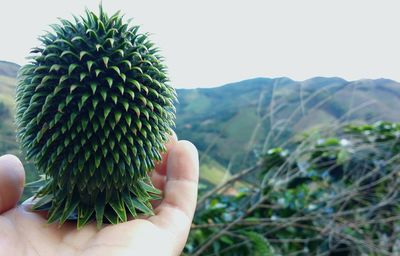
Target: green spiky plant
{"type": "Point", "coordinates": [94, 110]}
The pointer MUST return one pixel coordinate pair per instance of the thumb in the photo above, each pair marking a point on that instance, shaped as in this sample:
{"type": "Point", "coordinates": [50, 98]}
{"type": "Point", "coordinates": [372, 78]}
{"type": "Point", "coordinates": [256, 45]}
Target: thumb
{"type": "Point", "coordinates": [12, 178]}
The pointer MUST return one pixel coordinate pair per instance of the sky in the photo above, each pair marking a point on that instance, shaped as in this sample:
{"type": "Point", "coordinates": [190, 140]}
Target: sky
{"type": "Point", "coordinates": [213, 42]}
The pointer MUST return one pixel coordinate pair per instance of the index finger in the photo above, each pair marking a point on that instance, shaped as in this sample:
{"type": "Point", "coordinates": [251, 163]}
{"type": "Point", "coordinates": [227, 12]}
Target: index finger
{"type": "Point", "coordinates": [175, 213]}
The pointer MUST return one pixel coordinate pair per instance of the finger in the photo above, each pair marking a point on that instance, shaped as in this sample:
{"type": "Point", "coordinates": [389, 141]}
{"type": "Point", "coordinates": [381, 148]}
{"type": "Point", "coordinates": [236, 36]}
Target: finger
{"type": "Point", "coordinates": [12, 178]}
{"type": "Point", "coordinates": [161, 167]}
{"type": "Point", "coordinates": [175, 213]}
{"type": "Point", "coordinates": [158, 180]}
{"type": "Point", "coordinates": [158, 177]}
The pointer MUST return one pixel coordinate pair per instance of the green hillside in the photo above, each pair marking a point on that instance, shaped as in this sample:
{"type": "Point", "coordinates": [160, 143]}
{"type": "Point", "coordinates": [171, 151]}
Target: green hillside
{"type": "Point", "coordinates": [231, 124]}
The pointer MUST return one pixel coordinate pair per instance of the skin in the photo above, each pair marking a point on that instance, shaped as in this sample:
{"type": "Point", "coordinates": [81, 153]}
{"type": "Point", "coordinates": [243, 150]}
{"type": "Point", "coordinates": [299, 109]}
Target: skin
{"type": "Point", "coordinates": [23, 232]}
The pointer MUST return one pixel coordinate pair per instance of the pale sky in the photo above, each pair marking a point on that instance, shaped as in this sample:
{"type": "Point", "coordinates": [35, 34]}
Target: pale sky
{"type": "Point", "coordinates": [213, 42]}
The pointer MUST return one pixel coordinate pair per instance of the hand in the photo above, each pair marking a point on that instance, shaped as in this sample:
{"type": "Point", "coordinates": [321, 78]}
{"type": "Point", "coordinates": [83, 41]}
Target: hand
{"type": "Point", "coordinates": [23, 232]}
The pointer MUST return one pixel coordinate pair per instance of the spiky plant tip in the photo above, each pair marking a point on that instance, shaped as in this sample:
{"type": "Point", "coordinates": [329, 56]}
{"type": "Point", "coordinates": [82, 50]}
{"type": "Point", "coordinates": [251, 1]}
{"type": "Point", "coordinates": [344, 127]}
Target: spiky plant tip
{"type": "Point", "coordinates": [94, 110]}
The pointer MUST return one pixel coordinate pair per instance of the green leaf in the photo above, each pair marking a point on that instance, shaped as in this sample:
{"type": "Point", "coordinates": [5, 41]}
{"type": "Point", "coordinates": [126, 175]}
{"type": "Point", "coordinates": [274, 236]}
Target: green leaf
{"type": "Point", "coordinates": [103, 94]}
{"type": "Point", "coordinates": [82, 76]}
{"type": "Point", "coordinates": [71, 68]}
{"type": "Point", "coordinates": [42, 201]}
{"type": "Point", "coordinates": [81, 163]}
{"type": "Point", "coordinates": [105, 61]}
{"type": "Point", "coordinates": [110, 164]}
{"type": "Point", "coordinates": [69, 208]}
{"type": "Point", "coordinates": [107, 110]}
{"type": "Point", "coordinates": [121, 88]}
{"type": "Point", "coordinates": [115, 153]}
{"type": "Point", "coordinates": [102, 121]}
{"type": "Point", "coordinates": [98, 46]}
{"type": "Point", "coordinates": [109, 81]}
{"type": "Point", "coordinates": [55, 213]}
{"type": "Point", "coordinates": [72, 88]}
{"type": "Point", "coordinates": [60, 40]}
{"type": "Point", "coordinates": [136, 109]}
{"type": "Point", "coordinates": [128, 63]}
{"type": "Point", "coordinates": [142, 207]}
{"type": "Point", "coordinates": [99, 208]}
{"type": "Point", "coordinates": [111, 217]}
{"type": "Point", "coordinates": [93, 86]}
{"type": "Point", "coordinates": [143, 99]}
{"type": "Point", "coordinates": [129, 203]}
{"type": "Point", "coordinates": [49, 56]}
{"type": "Point", "coordinates": [131, 93]}
{"type": "Point", "coordinates": [119, 208]}
{"type": "Point", "coordinates": [97, 160]}
{"type": "Point", "coordinates": [136, 84]}
{"type": "Point", "coordinates": [111, 40]}
{"type": "Point", "coordinates": [65, 53]}
{"type": "Point", "coordinates": [95, 102]}
{"type": "Point", "coordinates": [83, 54]}
{"type": "Point", "coordinates": [84, 214]}
{"type": "Point", "coordinates": [116, 69]}
{"type": "Point", "coordinates": [114, 98]}
{"type": "Point", "coordinates": [87, 155]}
{"type": "Point", "coordinates": [101, 26]}
{"type": "Point", "coordinates": [55, 67]}
{"type": "Point", "coordinates": [259, 243]}
{"type": "Point", "coordinates": [89, 64]}
{"type": "Point", "coordinates": [138, 70]}
{"type": "Point", "coordinates": [125, 103]}
{"type": "Point", "coordinates": [91, 114]}
{"type": "Point", "coordinates": [84, 98]}
{"type": "Point", "coordinates": [117, 116]}
{"type": "Point", "coordinates": [93, 33]}
{"type": "Point", "coordinates": [120, 52]}
{"type": "Point", "coordinates": [124, 148]}
{"type": "Point", "coordinates": [98, 71]}
{"type": "Point", "coordinates": [123, 77]}
{"type": "Point", "coordinates": [69, 99]}
{"type": "Point", "coordinates": [227, 240]}
{"type": "Point", "coordinates": [149, 188]}
{"type": "Point", "coordinates": [128, 119]}
{"type": "Point", "coordinates": [63, 79]}
{"type": "Point", "coordinates": [78, 38]}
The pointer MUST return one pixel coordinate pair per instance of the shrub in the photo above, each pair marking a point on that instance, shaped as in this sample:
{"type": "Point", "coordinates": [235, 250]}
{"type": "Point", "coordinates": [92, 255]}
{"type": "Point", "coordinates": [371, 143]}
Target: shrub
{"type": "Point", "coordinates": [328, 195]}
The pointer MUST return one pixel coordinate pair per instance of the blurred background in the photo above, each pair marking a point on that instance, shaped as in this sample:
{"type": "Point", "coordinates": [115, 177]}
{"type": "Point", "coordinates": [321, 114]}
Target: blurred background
{"type": "Point", "coordinates": [294, 107]}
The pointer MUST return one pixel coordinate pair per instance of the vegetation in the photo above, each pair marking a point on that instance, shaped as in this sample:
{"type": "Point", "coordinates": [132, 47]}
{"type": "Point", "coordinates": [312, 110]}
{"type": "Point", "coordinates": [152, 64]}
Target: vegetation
{"type": "Point", "coordinates": [94, 110]}
{"type": "Point", "coordinates": [332, 191]}
{"type": "Point", "coordinates": [326, 196]}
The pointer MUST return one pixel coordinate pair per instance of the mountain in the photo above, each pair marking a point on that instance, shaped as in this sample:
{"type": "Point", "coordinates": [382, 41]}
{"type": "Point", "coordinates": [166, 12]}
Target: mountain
{"type": "Point", "coordinates": [234, 124]}
{"type": "Point", "coordinates": [8, 69]}
{"type": "Point", "coordinates": [237, 122]}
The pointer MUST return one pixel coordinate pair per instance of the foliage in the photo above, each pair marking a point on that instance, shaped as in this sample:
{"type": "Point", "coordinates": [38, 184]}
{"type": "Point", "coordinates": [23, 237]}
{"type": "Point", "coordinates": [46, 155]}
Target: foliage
{"type": "Point", "coordinates": [328, 195]}
{"type": "Point", "coordinates": [94, 110]}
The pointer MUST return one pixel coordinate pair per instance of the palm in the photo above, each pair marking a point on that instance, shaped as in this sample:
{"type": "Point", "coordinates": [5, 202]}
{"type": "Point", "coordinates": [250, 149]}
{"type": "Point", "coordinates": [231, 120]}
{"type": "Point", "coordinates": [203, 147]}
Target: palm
{"type": "Point", "coordinates": [23, 232]}
{"type": "Point", "coordinates": [29, 234]}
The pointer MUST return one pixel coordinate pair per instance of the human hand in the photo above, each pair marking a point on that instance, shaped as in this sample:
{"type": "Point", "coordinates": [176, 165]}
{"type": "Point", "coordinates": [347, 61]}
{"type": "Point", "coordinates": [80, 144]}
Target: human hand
{"type": "Point", "coordinates": [23, 232]}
